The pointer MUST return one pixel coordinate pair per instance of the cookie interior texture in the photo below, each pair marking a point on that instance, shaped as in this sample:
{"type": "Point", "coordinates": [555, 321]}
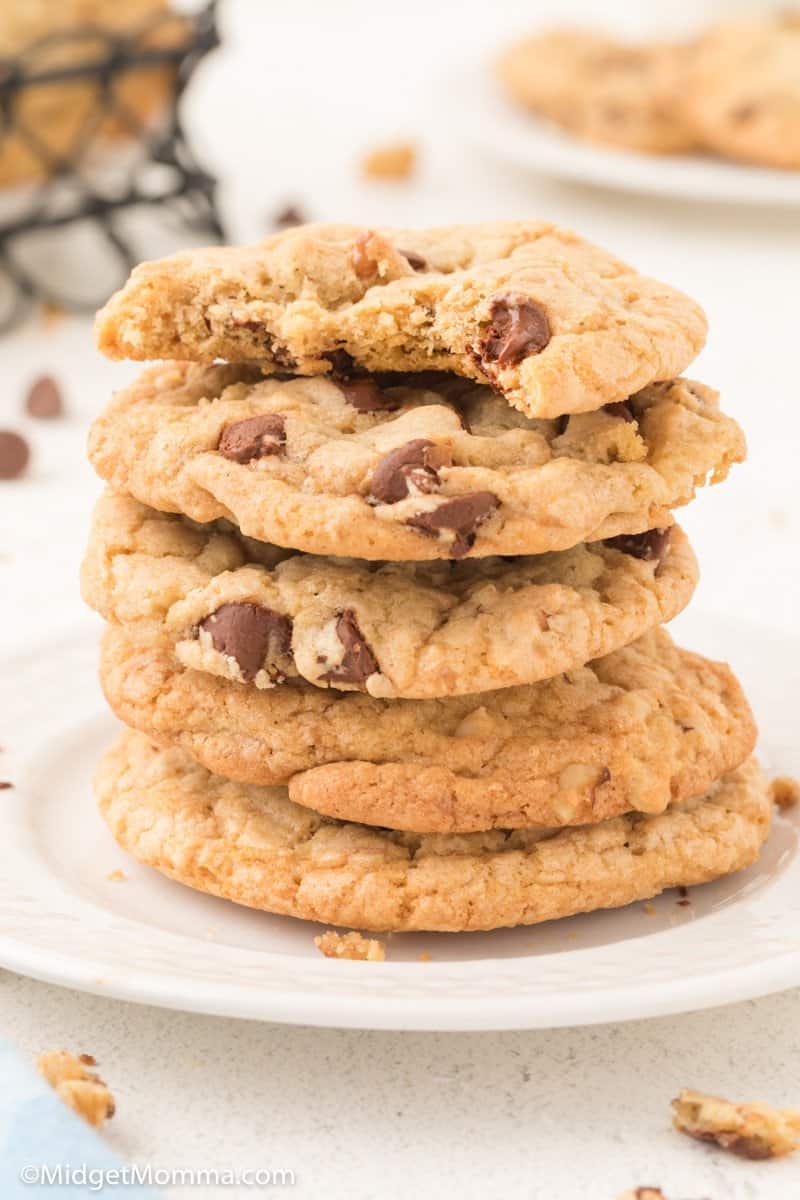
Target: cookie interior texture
{"type": "Point", "coordinates": [254, 846]}
{"type": "Point", "coordinates": [407, 468]}
{"type": "Point", "coordinates": [395, 629]}
{"type": "Point", "coordinates": [646, 726]}
{"type": "Point", "coordinates": [555, 324]}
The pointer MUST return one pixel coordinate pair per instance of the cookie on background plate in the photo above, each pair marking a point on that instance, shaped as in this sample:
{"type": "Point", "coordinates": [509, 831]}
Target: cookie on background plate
{"type": "Point", "coordinates": [254, 846]}
{"type": "Point", "coordinates": [601, 89]}
{"type": "Point", "coordinates": [645, 727]}
{"type": "Point", "coordinates": [555, 324]}
{"type": "Point", "coordinates": [411, 468]}
{"type": "Point", "coordinates": [413, 630]}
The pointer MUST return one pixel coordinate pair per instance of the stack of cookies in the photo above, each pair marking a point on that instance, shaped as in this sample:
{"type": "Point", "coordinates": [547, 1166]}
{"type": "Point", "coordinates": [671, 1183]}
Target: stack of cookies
{"type": "Point", "coordinates": [385, 558]}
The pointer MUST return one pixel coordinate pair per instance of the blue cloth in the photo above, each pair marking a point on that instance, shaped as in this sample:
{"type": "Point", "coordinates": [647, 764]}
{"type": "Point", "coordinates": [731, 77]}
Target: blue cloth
{"type": "Point", "coordinates": [37, 1130]}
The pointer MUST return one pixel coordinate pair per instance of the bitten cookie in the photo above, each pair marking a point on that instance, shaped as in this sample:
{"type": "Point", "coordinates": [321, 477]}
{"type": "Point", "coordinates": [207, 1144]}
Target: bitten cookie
{"type": "Point", "coordinates": [395, 629]}
{"type": "Point", "coordinates": [645, 727]}
{"type": "Point", "coordinates": [254, 846]}
{"type": "Point", "coordinates": [416, 468]}
{"type": "Point", "coordinates": [553, 323]}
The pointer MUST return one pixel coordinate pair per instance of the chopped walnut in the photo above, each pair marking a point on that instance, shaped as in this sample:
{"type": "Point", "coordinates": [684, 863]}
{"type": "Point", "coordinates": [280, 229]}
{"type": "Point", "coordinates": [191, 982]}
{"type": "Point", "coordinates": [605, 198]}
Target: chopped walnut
{"type": "Point", "coordinates": [350, 945]}
{"type": "Point", "coordinates": [79, 1088]}
{"type": "Point", "coordinates": [643, 1193]}
{"type": "Point", "coordinates": [785, 791]}
{"type": "Point", "coordinates": [392, 161]}
{"type": "Point", "coordinates": [749, 1130]}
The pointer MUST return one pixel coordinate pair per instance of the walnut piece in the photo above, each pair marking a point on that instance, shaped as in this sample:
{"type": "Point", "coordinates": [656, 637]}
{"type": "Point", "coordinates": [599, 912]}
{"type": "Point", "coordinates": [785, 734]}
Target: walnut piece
{"type": "Point", "coordinates": [749, 1130]}
{"type": "Point", "coordinates": [350, 945]}
{"type": "Point", "coordinates": [81, 1089]}
{"type": "Point", "coordinates": [396, 160]}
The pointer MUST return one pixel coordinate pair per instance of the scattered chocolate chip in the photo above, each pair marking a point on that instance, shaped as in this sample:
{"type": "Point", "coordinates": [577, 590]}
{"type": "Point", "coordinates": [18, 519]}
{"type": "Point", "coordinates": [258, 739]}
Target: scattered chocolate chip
{"type": "Point", "coordinates": [461, 516]}
{"type": "Point", "coordinates": [363, 262]}
{"type": "Point", "coordinates": [414, 260]}
{"type": "Point", "coordinates": [620, 409]}
{"type": "Point", "coordinates": [366, 397]}
{"type": "Point", "coordinates": [288, 217]}
{"type": "Point", "coordinates": [650, 547]}
{"type": "Point", "coordinates": [413, 465]}
{"type": "Point", "coordinates": [518, 328]}
{"type": "Point", "coordinates": [253, 438]}
{"type": "Point", "coordinates": [4, 783]}
{"type": "Point", "coordinates": [44, 398]}
{"type": "Point", "coordinates": [15, 454]}
{"type": "Point", "coordinates": [358, 661]}
{"type": "Point", "coordinates": [250, 634]}
{"type": "Point", "coordinates": [342, 364]}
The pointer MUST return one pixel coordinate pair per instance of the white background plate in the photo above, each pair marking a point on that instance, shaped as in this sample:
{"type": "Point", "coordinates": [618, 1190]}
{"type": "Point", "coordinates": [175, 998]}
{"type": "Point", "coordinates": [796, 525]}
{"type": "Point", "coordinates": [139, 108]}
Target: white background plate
{"type": "Point", "coordinates": [478, 108]}
{"type": "Point", "coordinates": [147, 938]}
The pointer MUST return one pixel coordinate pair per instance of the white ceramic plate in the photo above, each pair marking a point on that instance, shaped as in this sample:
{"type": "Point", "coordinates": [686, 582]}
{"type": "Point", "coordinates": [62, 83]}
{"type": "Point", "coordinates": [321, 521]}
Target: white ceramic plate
{"type": "Point", "coordinates": [149, 939]}
{"type": "Point", "coordinates": [480, 111]}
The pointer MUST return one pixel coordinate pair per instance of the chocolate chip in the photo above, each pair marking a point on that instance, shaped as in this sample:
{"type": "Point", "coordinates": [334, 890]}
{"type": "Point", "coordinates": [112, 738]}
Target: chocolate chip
{"type": "Point", "coordinates": [249, 633]}
{"type": "Point", "coordinates": [15, 454]}
{"type": "Point", "coordinates": [288, 217]}
{"type": "Point", "coordinates": [518, 327]}
{"type": "Point", "coordinates": [620, 409]}
{"type": "Point", "coordinates": [358, 661]}
{"type": "Point", "coordinates": [366, 397]}
{"type": "Point", "coordinates": [44, 398]}
{"type": "Point", "coordinates": [342, 364]}
{"type": "Point", "coordinates": [4, 784]}
{"type": "Point", "coordinates": [254, 437]}
{"type": "Point", "coordinates": [88, 1060]}
{"type": "Point", "coordinates": [414, 464]}
{"type": "Point", "coordinates": [364, 265]}
{"type": "Point", "coordinates": [461, 516]}
{"type": "Point", "coordinates": [414, 260]}
{"type": "Point", "coordinates": [650, 547]}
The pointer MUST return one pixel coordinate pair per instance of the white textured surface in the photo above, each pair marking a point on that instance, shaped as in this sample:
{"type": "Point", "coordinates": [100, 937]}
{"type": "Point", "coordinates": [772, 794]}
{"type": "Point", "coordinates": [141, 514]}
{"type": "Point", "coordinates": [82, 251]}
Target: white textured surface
{"type": "Point", "coordinates": [563, 1115]}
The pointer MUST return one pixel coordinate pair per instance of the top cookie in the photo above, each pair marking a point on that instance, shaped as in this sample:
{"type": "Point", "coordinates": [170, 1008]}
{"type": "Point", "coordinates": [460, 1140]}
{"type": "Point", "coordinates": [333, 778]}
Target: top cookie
{"type": "Point", "coordinates": [555, 324]}
{"type": "Point", "coordinates": [600, 89]}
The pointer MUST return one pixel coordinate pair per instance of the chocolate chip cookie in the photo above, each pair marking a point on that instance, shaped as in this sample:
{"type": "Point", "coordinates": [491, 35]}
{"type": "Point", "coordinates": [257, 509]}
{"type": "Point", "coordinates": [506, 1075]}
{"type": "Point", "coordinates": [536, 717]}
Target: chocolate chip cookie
{"type": "Point", "coordinates": [419, 467]}
{"type": "Point", "coordinates": [640, 729]}
{"type": "Point", "coordinates": [254, 846]}
{"type": "Point", "coordinates": [601, 89]}
{"type": "Point", "coordinates": [553, 323]}
{"type": "Point", "coordinates": [414, 630]}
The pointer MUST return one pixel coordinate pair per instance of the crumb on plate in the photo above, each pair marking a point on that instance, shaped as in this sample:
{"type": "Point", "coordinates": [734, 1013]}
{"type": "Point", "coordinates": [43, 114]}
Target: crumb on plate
{"type": "Point", "coordinates": [351, 945]}
{"type": "Point", "coordinates": [785, 791]}
{"type": "Point", "coordinates": [749, 1130]}
{"type": "Point", "coordinates": [79, 1088]}
{"type": "Point", "coordinates": [395, 160]}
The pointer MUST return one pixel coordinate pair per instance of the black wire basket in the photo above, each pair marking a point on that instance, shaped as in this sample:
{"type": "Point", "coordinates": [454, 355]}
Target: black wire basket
{"type": "Point", "coordinates": [78, 220]}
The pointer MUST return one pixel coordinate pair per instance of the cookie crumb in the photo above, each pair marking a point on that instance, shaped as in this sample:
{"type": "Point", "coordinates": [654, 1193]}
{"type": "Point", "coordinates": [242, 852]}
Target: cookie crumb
{"type": "Point", "coordinates": [79, 1088]}
{"type": "Point", "coordinates": [650, 909]}
{"type": "Point", "coordinates": [643, 1193]}
{"type": "Point", "coordinates": [351, 945]}
{"type": "Point", "coordinates": [424, 957]}
{"type": "Point", "coordinates": [117, 876]}
{"type": "Point", "coordinates": [750, 1130]}
{"type": "Point", "coordinates": [395, 160]}
{"type": "Point", "coordinates": [785, 791]}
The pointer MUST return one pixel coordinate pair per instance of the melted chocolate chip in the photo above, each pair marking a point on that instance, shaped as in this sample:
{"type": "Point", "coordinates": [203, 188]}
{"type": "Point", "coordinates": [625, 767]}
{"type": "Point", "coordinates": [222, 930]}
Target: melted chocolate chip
{"type": "Point", "coordinates": [358, 661]}
{"type": "Point", "coordinates": [253, 438]}
{"type": "Point", "coordinates": [621, 409]}
{"type": "Point", "coordinates": [461, 515]}
{"type": "Point", "coordinates": [414, 464]}
{"type": "Point", "coordinates": [44, 399]}
{"type": "Point", "coordinates": [414, 260]}
{"type": "Point", "coordinates": [251, 634]}
{"type": "Point", "coordinates": [366, 397]}
{"type": "Point", "coordinates": [650, 547]}
{"type": "Point", "coordinates": [15, 454]}
{"type": "Point", "coordinates": [518, 328]}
